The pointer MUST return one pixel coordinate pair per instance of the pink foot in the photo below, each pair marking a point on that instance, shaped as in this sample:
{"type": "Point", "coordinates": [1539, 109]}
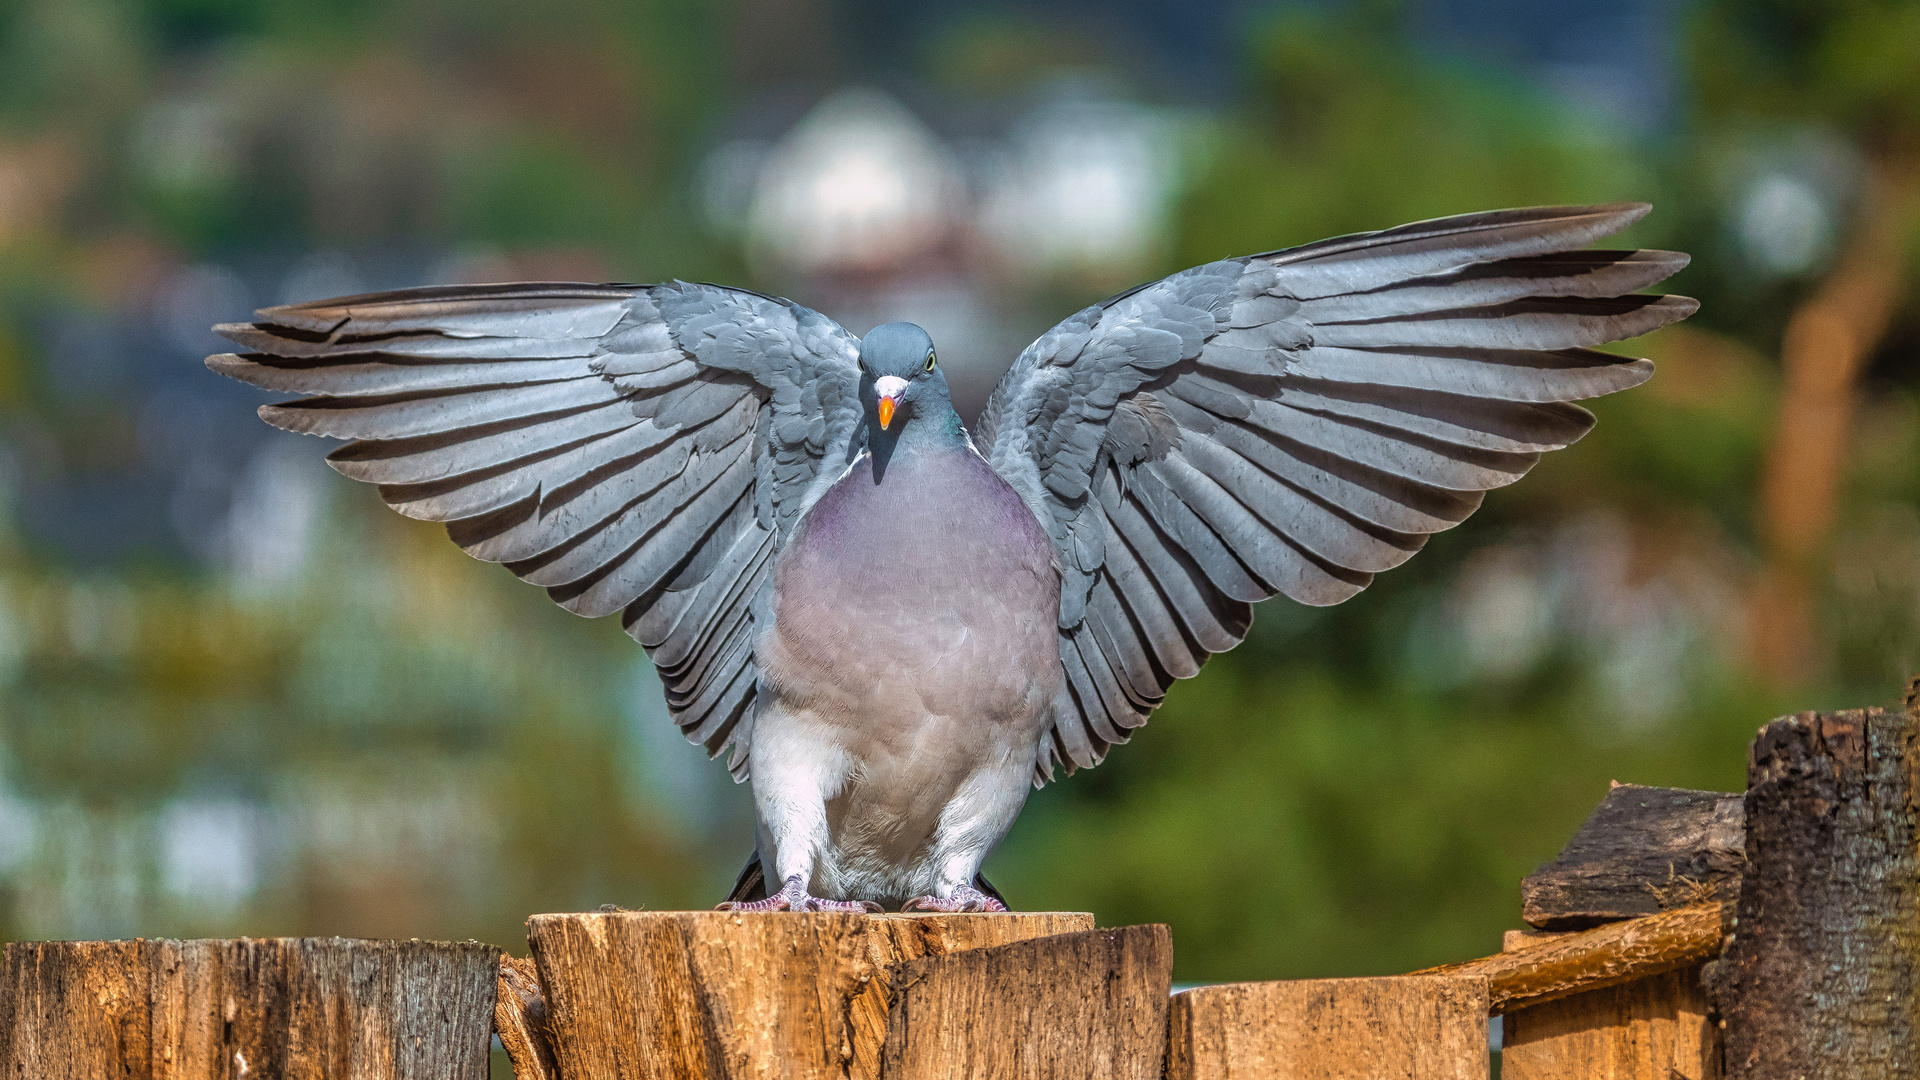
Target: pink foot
{"type": "Point", "coordinates": [793, 897]}
{"type": "Point", "coordinates": [966, 898]}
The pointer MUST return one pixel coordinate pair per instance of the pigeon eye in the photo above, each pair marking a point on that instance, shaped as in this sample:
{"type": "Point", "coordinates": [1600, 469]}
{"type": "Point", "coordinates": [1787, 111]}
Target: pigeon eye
{"type": "Point", "coordinates": [929, 359]}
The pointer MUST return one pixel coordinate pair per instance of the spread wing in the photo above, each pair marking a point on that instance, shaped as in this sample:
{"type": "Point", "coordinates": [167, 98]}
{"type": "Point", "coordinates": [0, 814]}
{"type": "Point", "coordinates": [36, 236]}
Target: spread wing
{"type": "Point", "coordinates": [1296, 422]}
{"type": "Point", "coordinates": [640, 449]}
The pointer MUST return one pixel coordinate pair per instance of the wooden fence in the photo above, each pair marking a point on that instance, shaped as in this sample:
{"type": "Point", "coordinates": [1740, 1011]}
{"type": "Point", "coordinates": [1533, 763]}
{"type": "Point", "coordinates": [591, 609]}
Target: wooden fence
{"type": "Point", "coordinates": [1680, 936]}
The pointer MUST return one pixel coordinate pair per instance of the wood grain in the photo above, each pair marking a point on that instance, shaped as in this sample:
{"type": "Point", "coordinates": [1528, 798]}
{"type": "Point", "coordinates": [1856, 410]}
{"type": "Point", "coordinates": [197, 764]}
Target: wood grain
{"type": "Point", "coordinates": [1403, 1027]}
{"type": "Point", "coordinates": [1084, 1006]}
{"type": "Point", "coordinates": [1653, 1029]}
{"type": "Point", "coordinates": [1820, 979]}
{"type": "Point", "coordinates": [711, 995]}
{"type": "Point", "coordinates": [1643, 850]}
{"type": "Point", "coordinates": [520, 1019]}
{"type": "Point", "coordinates": [893, 940]}
{"type": "Point", "coordinates": [308, 1007]}
{"type": "Point", "coordinates": [1609, 955]}
{"type": "Point", "coordinates": [699, 994]}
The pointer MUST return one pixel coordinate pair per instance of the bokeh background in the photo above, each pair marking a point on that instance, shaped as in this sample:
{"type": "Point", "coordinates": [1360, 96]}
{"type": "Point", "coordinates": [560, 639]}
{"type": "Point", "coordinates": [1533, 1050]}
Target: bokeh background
{"type": "Point", "coordinates": [238, 696]}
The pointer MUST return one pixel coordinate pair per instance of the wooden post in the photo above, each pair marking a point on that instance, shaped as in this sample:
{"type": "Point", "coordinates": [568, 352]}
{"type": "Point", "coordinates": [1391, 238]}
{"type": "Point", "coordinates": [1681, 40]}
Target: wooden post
{"type": "Point", "coordinates": [1656, 1028]}
{"type": "Point", "coordinates": [895, 940]}
{"type": "Point", "coordinates": [1086, 1006]}
{"type": "Point", "coordinates": [1820, 979]}
{"type": "Point", "coordinates": [1406, 1027]}
{"type": "Point", "coordinates": [706, 995]}
{"type": "Point", "coordinates": [269, 1007]}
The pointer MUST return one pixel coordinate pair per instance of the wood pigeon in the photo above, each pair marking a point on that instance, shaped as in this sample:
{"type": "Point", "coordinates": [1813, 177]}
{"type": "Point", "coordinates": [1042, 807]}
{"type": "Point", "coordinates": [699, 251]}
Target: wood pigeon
{"type": "Point", "coordinates": [895, 625]}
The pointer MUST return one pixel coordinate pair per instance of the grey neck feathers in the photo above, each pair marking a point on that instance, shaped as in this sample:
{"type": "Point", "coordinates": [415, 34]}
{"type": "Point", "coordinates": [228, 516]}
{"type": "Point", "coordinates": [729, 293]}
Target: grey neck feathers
{"type": "Point", "coordinates": [933, 428]}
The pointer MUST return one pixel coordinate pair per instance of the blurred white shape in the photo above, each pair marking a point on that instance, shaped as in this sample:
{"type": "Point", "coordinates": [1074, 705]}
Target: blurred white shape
{"type": "Point", "coordinates": [192, 300]}
{"type": "Point", "coordinates": [85, 877]}
{"type": "Point", "coordinates": [209, 852]}
{"type": "Point", "coordinates": [1643, 621]}
{"type": "Point", "coordinates": [321, 275]}
{"type": "Point", "coordinates": [1086, 183]}
{"type": "Point", "coordinates": [276, 506]}
{"type": "Point", "coordinates": [859, 182]}
{"type": "Point", "coordinates": [1785, 224]}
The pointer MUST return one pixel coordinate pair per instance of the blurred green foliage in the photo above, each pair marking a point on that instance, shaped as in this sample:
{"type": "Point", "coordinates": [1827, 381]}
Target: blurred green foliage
{"type": "Point", "coordinates": [1356, 790]}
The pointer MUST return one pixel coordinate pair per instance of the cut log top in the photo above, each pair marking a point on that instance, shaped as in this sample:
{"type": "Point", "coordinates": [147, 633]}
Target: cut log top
{"type": "Point", "coordinates": [1643, 850]}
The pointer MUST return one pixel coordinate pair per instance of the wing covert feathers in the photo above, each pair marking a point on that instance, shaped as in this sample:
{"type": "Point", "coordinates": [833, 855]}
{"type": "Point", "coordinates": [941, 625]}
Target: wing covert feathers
{"type": "Point", "coordinates": [1296, 422]}
{"type": "Point", "coordinates": [634, 449]}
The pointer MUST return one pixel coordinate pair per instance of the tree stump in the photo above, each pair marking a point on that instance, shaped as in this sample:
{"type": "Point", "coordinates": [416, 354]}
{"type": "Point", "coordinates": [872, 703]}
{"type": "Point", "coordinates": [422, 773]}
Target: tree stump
{"type": "Point", "coordinates": [268, 1007]}
{"type": "Point", "coordinates": [1820, 979]}
{"type": "Point", "coordinates": [707, 995]}
{"type": "Point", "coordinates": [1425, 1027]}
{"type": "Point", "coordinates": [1086, 1006]}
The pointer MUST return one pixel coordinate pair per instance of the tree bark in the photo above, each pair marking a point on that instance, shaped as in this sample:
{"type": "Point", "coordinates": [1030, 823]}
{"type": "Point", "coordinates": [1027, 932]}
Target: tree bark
{"type": "Point", "coordinates": [1820, 979]}
{"type": "Point", "coordinates": [1086, 1006]}
{"type": "Point", "coordinates": [1408, 1028]}
{"type": "Point", "coordinates": [193, 1010]}
{"type": "Point", "coordinates": [1616, 953]}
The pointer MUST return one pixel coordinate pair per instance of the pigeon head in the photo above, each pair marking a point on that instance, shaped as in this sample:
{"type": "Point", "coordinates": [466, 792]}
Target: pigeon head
{"type": "Point", "coordinates": [900, 377]}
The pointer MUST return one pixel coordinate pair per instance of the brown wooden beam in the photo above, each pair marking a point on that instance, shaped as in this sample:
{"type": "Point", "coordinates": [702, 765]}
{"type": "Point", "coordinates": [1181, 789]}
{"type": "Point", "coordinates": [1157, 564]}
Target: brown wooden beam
{"type": "Point", "coordinates": [1605, 956]}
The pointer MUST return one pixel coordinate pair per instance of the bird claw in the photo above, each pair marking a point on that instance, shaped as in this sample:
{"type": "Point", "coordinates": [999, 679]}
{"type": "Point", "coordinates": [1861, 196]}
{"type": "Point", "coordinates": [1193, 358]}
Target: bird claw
{"type": "Point", "coordinates": [793, 897]}
{"type": "Point", "coordinates": [966, 898]}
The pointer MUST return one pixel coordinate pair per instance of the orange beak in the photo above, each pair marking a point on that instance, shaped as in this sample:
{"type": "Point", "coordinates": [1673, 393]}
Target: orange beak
{"type": "Point", "coordinates": [886, 412]}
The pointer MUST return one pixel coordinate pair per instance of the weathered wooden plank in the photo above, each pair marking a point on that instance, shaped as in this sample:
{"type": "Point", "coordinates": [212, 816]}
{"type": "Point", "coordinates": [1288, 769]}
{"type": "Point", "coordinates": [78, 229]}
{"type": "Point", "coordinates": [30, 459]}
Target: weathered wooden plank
{"type": "Point", "coordinates": [520, 1019]}
{"type": "Point", "coordinates": [1653, 1029]}
{"type": "Point", "coordinates": [893, 940]}
{"type": "Point", "coordinates": [1643, 850]}
{"type": "Point", "coordinates": [1820, 978]}
{"type": "Point", "coordinates": [1407, 1028]}
{"type": "Point", "coordinates": [1085, 1006]}
{"type": "Point", "coordinates": [310, 1007]}
{"type": "Point", "coordinates": [1604, 956]}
